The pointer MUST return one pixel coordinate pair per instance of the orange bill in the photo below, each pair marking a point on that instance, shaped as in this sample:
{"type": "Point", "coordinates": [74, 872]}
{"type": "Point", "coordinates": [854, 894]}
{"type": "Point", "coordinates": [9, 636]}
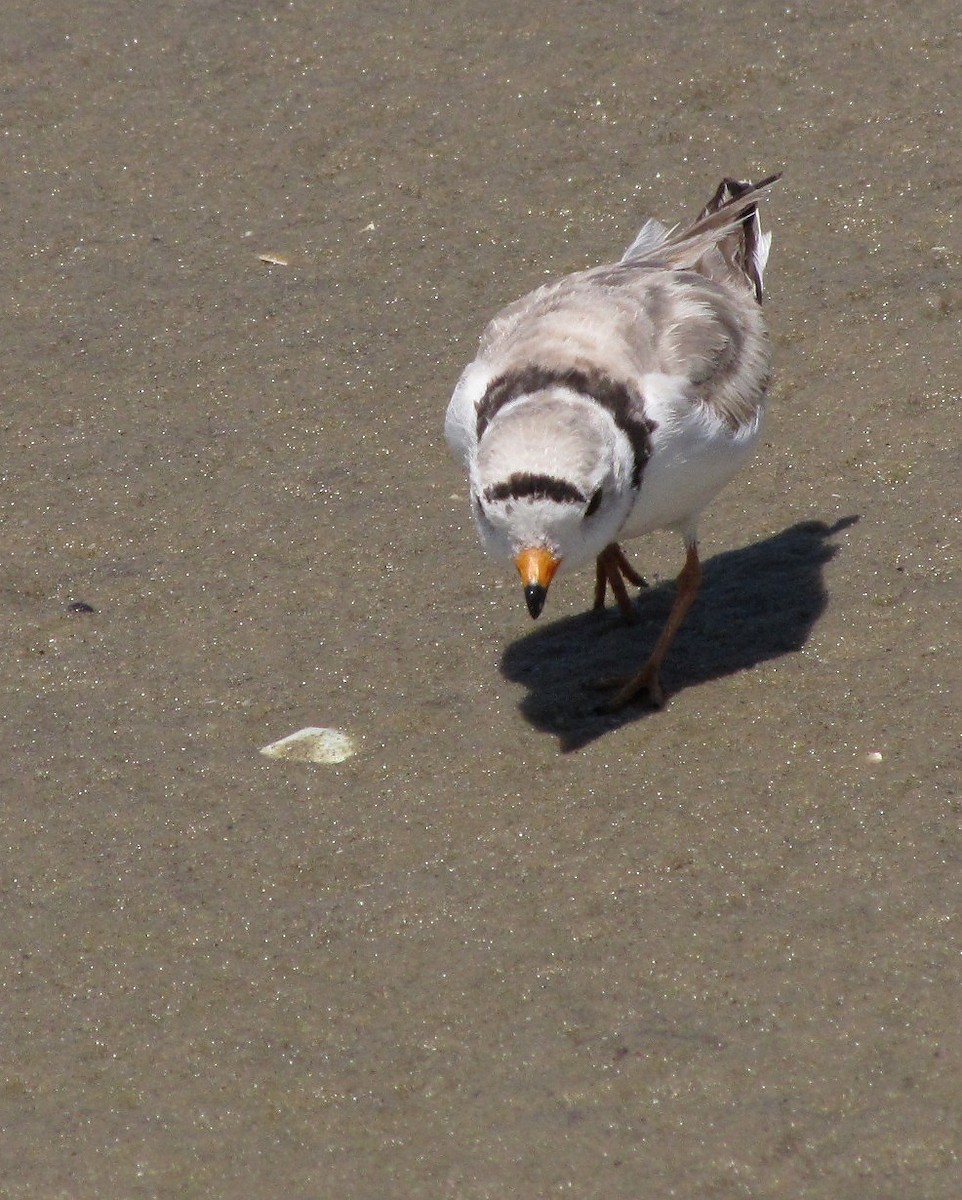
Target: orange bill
{"type": "Point", "coordinates": [537, 567]}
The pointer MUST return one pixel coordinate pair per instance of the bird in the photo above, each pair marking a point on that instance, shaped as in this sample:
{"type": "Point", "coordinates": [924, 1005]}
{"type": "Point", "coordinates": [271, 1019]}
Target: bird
{"type": "Point", "coordinates": [617, 401]}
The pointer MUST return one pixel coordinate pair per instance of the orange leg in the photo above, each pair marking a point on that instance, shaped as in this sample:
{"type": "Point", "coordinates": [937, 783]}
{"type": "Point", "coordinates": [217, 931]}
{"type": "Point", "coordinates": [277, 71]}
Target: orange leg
{"type": "Point", "coordinates": [613, 567]}
{"type": "Point", "coordinates": [648, 678]}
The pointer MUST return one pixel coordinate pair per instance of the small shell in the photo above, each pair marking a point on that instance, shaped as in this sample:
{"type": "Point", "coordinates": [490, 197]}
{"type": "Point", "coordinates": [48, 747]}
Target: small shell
{"type": "Point", "coordinates": [312, 745]}
{"type": "Point", "coordinates": [274, 260]}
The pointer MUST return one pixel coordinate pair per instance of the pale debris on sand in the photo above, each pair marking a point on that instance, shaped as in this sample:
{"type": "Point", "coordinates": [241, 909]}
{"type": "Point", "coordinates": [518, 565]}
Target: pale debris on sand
{"type": "Point", "coordinates": [312, 745]}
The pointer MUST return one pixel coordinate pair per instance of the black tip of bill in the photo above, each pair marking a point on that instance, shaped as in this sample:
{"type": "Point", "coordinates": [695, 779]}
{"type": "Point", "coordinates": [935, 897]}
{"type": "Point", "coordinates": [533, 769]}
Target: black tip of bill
{"type": "Point", "coordinates": [534, 597]}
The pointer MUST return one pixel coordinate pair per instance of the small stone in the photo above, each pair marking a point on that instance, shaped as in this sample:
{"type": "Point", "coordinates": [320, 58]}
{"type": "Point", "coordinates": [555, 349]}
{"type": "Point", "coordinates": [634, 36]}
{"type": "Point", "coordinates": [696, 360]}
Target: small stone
{"type": "Point", "coordinates": [873, 756]}
{"type": "Point", "coordinates": [79, 606]}
{"type": "Point", "coordinates": [312, 744]}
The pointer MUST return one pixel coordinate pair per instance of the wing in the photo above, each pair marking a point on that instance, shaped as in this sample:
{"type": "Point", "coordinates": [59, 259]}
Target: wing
{"type": "Point", "coordinates": [679, 305]}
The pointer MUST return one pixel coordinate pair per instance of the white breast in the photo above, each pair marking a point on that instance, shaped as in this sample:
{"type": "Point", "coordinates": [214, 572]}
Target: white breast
{"type": "Point", "coordinates": [694, 454]}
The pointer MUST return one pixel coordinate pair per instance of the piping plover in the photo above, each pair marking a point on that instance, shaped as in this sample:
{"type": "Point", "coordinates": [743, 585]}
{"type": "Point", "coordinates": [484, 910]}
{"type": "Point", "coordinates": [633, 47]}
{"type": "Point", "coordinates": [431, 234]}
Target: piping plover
{"type": "Point", "coordinates": [617, 401]}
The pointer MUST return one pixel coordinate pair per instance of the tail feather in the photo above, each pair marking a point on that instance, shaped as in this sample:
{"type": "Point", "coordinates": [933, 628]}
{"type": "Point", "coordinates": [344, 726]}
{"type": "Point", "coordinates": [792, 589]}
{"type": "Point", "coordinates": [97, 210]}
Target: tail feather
{"type": "Point", "coordinates": [746, 248]}
{"type": "Point", "coordinates": [728, 225]}
{"type": "Point", "coordinates": [651, 236]}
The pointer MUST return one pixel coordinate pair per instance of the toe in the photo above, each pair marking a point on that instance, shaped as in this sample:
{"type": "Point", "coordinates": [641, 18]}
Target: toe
{"type": "Point", "coordinates": [646, 682]}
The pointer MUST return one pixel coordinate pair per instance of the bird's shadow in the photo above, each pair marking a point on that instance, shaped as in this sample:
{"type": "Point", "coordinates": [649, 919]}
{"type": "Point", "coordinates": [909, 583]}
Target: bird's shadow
{"type": "Point", "coordinates": [756, 603]}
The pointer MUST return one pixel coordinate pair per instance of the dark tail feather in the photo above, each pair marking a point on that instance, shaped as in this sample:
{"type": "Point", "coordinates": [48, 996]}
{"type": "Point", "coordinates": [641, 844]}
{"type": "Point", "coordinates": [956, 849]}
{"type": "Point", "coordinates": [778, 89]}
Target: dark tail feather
{"type": "Point", "coordinates": [742, 248]}
{"type": "Point", "coordinates": [725, 242]}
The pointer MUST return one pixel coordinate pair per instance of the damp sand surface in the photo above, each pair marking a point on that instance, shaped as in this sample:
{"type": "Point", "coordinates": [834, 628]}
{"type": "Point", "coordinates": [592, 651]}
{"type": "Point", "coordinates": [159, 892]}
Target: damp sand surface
{"type": "Point", "coordinates": [510, 947]}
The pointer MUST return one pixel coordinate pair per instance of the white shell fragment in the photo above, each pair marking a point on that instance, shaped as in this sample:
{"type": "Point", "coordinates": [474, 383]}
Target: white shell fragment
{"type": "Point", "coordinates": [274, 260]}
{"type": "Point", "coordinates": [312, 745]}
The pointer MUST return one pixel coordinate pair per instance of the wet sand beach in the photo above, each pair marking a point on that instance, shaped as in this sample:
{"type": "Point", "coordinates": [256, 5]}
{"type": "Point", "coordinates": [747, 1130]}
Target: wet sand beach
{"type": "Point", "coordinates": [511, 948]}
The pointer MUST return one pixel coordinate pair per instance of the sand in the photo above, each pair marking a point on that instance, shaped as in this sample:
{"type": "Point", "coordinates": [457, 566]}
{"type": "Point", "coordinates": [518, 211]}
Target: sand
{"type": "Point", "coordinates": [510, 948]}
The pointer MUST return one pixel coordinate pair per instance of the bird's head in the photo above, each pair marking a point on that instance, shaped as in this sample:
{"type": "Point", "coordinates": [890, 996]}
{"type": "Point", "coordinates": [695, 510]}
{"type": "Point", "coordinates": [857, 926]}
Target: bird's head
{"type": "Point", "coordinates": [551, 485]}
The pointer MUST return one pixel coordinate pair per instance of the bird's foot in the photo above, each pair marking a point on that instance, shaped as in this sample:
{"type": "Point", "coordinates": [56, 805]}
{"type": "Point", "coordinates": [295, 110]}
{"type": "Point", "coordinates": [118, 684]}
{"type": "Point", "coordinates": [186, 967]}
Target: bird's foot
{"type": "Point", "coordinates": [627, 609]}
{"type": "Point", "coordinates": [628, 687]}
{"type": "Point", "coordinates": [647, 679]}
{"type": "Point", "coordinates": [613, 568]}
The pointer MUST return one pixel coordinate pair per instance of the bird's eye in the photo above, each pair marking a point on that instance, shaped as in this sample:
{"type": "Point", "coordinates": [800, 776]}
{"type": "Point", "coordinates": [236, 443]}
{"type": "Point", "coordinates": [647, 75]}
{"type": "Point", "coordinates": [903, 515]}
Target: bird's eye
{"type": "Point", "coordinates": [593, 504]}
